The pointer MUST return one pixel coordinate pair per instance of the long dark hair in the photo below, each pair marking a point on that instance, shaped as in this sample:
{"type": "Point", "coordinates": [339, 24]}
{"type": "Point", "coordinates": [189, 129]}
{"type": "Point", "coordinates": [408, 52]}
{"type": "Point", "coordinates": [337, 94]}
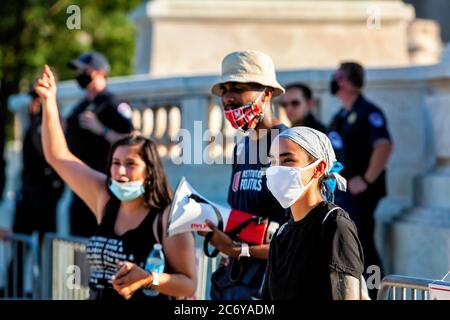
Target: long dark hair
{"type": "Point", "coordinates": [157, 190]}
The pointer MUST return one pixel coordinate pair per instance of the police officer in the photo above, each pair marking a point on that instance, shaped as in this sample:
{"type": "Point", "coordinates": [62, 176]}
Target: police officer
{"type": "Point", "coordinates": [298, 103]}
{"type": "Point", "coordinates": [41, 187]}
{"type": "Point", "coordinates": [362, 141]}
{"type": "Point", "coordinates": [98, 120]}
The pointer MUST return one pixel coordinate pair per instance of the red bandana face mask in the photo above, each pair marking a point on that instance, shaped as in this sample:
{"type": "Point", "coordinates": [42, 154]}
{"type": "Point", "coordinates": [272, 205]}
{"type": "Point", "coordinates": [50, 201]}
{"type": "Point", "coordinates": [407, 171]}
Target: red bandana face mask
{"type": "Point", "coordinates": [247, 116]}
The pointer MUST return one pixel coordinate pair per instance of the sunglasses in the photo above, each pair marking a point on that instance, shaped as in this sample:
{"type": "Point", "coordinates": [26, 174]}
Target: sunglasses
{"type": "Point", "coordinates": [294, 103]}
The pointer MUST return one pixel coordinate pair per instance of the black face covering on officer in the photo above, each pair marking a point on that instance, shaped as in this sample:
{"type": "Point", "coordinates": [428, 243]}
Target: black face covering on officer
{"type": "Point", "coordinates": [83, 79]}
{"type": "Point", "coordinates": [334, 86]}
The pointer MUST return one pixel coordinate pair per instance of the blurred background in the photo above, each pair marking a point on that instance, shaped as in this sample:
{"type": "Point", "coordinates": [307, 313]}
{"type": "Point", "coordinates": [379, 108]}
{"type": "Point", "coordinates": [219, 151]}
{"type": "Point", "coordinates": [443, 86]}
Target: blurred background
{"type": "Point", "coordinates": [165, 54]}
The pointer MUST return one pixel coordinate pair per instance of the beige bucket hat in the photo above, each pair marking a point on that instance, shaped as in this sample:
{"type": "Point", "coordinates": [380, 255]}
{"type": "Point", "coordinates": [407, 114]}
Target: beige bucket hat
{"type": "Point", "coordinates": [248, 66]}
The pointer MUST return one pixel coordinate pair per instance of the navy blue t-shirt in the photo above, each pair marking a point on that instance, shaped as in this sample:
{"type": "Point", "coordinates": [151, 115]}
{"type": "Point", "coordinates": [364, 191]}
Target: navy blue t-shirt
{"type": "Point", "coordinates": [248, 190]}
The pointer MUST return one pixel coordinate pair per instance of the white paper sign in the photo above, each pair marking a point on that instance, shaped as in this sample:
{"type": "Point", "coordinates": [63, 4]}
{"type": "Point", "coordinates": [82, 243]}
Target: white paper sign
{"type": "Point", "coordinates": [439, 292]}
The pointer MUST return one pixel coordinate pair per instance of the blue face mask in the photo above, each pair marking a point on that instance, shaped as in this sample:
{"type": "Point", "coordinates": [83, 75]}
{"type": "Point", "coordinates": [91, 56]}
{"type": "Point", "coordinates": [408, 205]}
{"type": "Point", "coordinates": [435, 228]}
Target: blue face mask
{"type": "Point", "coordinates": [127, 191]}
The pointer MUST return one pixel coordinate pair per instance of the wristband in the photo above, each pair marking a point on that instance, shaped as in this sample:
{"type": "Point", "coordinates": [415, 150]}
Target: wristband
{"type": "Point", "coordinates": [245, 250]}
{"type": "Point", "coordinates": [155, 276]}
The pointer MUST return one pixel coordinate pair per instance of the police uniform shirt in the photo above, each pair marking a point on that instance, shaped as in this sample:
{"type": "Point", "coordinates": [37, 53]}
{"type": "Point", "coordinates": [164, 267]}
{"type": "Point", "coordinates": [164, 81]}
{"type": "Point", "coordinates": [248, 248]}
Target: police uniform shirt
{"type": "Point", "coordinates": [36, 171]}
{"type": "Point", "coordinates": [353, 135]}
{"type": "Point", "coordinates": [248, 190]}
{"type": "Point", "coordinates": [91, 148]}
{"type": "Point", "coordinates": [303, 254]}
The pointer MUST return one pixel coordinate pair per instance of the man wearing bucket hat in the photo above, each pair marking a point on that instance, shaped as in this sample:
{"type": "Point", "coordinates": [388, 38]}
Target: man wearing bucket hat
{"type": "Point", "coordinates": [246, 87]}
{"type": "Point", "coordinates": [98, 120]}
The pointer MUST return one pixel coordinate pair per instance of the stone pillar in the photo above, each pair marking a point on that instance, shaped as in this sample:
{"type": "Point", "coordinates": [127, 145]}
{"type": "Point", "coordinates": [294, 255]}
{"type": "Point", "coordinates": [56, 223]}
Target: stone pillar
{"type": "Point", "coordinates": [421, 235]}
{"type": "Point", "coordinates": [185, 37]}
{"type": "Point", "coordinates": [425, 45]}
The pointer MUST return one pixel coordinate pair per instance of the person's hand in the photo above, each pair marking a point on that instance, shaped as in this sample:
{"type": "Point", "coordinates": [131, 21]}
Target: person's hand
{"type": "Point", "coordinates": [221, 241]}
{"type": "Point", "coordinates": [45, 86]}
{"type": "Point", "coordinates": [4, 233]}
{"type": "Point", "coordinates": [129, 279]}
{"type": "Point", "coordinates": [357, 185]}
{"type": "Point", "coordinates": [89, 121]}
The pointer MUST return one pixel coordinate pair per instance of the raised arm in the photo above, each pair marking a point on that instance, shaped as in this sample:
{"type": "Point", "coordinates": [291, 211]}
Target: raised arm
{"type": "Point", "coordinates": [88, 184]}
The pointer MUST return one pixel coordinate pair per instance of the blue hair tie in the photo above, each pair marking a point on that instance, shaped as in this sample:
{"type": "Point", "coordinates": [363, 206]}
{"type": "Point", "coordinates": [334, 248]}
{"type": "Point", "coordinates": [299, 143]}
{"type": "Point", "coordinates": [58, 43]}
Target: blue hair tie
{"type": "Point", "coordinates": [331, 181]}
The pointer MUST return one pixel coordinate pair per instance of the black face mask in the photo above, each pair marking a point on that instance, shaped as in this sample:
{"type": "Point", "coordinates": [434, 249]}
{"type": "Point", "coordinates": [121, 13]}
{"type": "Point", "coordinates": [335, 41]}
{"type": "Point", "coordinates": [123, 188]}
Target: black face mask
{"type": "Point", "coordinates": [83, 80]}
{"type": "Point", "coordinates": [334, 87]}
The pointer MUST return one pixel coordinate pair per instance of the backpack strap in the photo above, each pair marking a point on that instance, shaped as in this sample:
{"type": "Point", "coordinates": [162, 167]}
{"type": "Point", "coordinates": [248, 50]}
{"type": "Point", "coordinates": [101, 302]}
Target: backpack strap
{"type": "Point", "coordinates": [335, 208]}
{"type": "Point", "coordinates": [362, 278]}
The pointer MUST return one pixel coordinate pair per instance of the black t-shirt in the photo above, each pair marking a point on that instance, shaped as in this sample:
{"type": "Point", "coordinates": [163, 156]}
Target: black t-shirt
{"type": "Point", "coordinates": [353, 135]}
{"type": "Point", "coordinates": [303, 253]}
{"type": "Point", "coordinates": [248, 190]}
{"type": "Point", "coordinates": [90, 147]}
{"type": "Point", "coordinates": [105, 249]}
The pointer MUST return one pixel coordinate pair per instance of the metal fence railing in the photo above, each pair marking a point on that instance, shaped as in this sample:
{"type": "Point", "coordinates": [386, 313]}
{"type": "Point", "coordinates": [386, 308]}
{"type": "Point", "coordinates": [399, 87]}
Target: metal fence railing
{"type": "Point", "coordinates": [205, 267]}
{"type": "Point", "coordinates": [19, 267]}
{"type": "Point", "coordinates": [60, 270]}
{"type": "Point", "coordinates": [395, 287]}
{"type": "Point", "coordinates": [65, 269]}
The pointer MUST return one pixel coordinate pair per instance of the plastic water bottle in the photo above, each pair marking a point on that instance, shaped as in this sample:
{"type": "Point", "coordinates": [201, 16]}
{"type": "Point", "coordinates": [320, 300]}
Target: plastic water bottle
{"type": "Point", "coordinates": [155, 263]}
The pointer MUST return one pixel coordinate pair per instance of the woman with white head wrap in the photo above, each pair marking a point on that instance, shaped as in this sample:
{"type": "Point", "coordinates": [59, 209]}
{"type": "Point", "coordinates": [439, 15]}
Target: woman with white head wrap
{"type": "Point", "coordinates": [318, 147]}
{"type": "Point", "coordinates": [316, 254]}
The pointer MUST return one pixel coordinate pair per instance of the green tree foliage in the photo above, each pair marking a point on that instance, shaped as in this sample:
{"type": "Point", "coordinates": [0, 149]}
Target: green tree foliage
{"type": "Point", "coordinates": [35, 32]}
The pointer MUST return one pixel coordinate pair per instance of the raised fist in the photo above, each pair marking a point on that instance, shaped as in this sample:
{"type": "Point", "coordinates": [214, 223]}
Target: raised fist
{"type": "Point", "coordinates": [45, 86]}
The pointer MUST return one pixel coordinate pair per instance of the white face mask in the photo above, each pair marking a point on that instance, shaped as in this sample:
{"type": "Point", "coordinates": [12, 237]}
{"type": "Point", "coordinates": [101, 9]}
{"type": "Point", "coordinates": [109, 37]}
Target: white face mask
{"type": "Point", "coordinates": [127, 191]}
{"type": "Point", "coordinates": [286, 184]}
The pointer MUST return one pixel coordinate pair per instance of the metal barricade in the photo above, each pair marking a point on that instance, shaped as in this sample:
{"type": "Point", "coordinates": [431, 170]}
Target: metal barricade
{"type": "Point", "coordinates": [19, 266]}
{"type": "Point", "coordinates": [395, 287]}
{"type": "Point", "coordinates": [63, 272]}
{"type": "Point", "coordinates": [65, 269]}
{"type": "Point", "coordinates": [205, 267]}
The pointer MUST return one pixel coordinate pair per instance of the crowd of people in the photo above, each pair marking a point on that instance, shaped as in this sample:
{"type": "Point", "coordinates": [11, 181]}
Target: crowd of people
{"type": "Point", "coordinates": [319, 183]}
